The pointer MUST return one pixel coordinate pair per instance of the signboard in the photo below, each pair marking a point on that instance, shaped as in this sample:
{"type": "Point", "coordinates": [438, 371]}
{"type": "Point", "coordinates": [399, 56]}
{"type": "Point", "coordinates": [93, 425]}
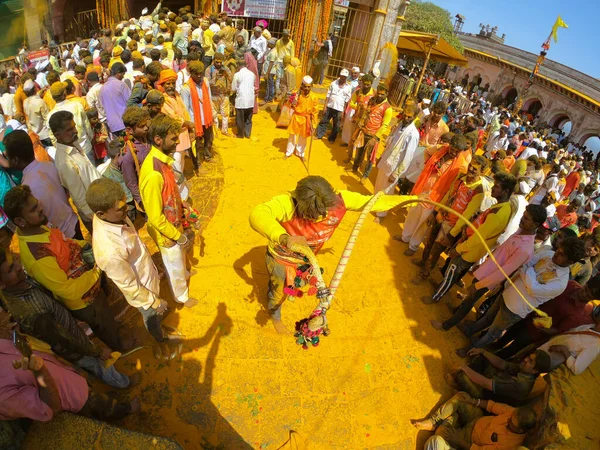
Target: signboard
{"type": "Point", "coordinates": [263, 9]}
{"type": "Point", "coordinates": [38, 56]}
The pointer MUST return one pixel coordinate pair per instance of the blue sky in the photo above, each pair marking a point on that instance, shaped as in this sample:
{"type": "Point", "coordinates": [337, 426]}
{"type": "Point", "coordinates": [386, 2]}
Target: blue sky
{"type": "Point", "coordinates": [527, 23]}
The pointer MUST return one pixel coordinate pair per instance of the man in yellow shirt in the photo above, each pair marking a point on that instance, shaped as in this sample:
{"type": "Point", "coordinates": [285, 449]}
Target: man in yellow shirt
{"type": "Point", "coordinates": [307, 216]}
{"type": "Point", "coordinates": [164, 207]}
{"type": "Point", "coordinates": [461, 423]}
{"type": "Point", "coordinates": [469, 249]}
{"type": "Point", "coordinates": [64, 266]}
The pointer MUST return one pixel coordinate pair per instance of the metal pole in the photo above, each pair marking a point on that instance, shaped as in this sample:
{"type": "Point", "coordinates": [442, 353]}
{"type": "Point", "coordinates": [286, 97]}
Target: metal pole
{"type": "Point", "coordinates": [425, 66]}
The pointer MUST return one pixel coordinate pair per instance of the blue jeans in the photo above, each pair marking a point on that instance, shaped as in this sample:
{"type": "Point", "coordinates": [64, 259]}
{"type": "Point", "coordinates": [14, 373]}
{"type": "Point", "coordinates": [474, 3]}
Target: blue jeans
{"type": "Point", "coordinates": [108, 375]}
{"type": "Point", "coordinates": [270, 94]}
{"type": "Point", "coordinates": [330, 113]}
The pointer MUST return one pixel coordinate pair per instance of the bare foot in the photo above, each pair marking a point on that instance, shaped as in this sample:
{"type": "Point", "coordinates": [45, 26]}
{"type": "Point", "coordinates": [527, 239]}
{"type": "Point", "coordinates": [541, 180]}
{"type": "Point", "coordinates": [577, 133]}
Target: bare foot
{"type": "Point", "coordinates": [438, 325]}
{"type": "Point", "coordinates": [417, 262]}
{"type": "Point", "coordinates": [409, 252]}
{"type": "Point", "coordinates": [426, 424]}
{"type": "Point", "coordinates": [450, 380]}
{"type": "Point", "coordinates": [280, 326]}
{"type": "Point", "coordinates": [135, 405]}
{"type": "Point", "coordinates": [362, 180]}
{"type": "Point", "coordinates": [398, 237]}
{"type": "Point", "coordinates": [461, 296]}
{"type": "Point", "coordinates": [190, 303]}
{"type": "Point", "coordinates": [377, 219]}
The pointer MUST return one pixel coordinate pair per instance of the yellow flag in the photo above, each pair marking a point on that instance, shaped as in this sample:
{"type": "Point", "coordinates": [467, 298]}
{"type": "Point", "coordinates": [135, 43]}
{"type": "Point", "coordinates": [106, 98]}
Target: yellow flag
{"type": "Point", "coordinates": [558, 24]}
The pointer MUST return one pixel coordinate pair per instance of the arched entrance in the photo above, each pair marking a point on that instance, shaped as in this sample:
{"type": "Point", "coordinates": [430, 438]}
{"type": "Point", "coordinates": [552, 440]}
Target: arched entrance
{"type": "Point", "coordinates": [533, 106]}
{"type": "Point", "coordinates": [592, 142]}
{"type": "Point", "coordinates": [563, 122]}
{"type": "Point", "coordinates": [509, 95]}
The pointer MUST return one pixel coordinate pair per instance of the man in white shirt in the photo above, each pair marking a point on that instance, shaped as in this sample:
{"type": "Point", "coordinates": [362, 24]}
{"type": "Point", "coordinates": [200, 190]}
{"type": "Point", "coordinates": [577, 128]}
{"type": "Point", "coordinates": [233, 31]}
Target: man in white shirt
{"type": "Point", "coordinates": [498, 140]}
{"type": "Point", "coordinates": [93, 95]}
{"type": "Point", "coordinates": [121, 254]}
{"type": "Point", "coordinates": [138, 65]}
{"type": "Point", "coordinates": [541, 279]}
{"type": "Point", "coordinates": [243, 86]}
{"type": "Point", "coordinates": [577, 348]}
{"type": "Point", "coordinates": [36, 110]}
{"type": "Point", "coordinates": [338, 96]}
{"type": "Point", "coordinates": [7, 101]}
{"type": "Point", "coordinates": [84, 133]}
{"type": "Point", "coordinates": [75, 170]}
{"type": "Point", "coordinates": [259, 43]}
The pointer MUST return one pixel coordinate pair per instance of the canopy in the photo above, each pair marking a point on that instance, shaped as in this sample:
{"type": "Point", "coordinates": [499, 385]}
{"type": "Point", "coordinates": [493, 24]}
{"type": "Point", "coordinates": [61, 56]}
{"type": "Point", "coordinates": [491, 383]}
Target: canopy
{"type": "Point", "coordinates": [416, 43]}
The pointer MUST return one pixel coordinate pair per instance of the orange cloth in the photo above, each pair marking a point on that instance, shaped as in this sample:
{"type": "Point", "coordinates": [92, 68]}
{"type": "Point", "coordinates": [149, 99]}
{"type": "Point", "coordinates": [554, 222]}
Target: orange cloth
{"type": "Point", "coordinates": [442, 185]}
{"type": "Point", "coordinates": [508, 162]}
{"type": "Point", "coordinates": [492, 431]}
{"type": "Point", "coordinates": [571, 184]}
{"type": "Point", "coordinates": [305, 110]}
{"type": "Point", "coordinates": [206, 106]}
{"type": "Point", "coordinates": [566, 218]}
{"type": "Point", "coordinates": [19, 99]}
{"type": "Point", "coordinates": [175, 108]}
{"type": "Point", "coordinates": [165, 75]}
{"type": "Point", "coordinates": [38, 149]}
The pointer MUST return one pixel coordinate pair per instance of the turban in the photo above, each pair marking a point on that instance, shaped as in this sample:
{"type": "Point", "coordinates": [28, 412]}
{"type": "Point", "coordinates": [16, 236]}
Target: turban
{"type": "Point", "coordinates": [165, 75]}
{"type": "Point", "coordinates": [58, 89]}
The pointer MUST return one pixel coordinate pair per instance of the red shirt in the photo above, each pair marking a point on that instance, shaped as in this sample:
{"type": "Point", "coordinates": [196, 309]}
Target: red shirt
{"type": "Point", "coordinates": [565, 310]}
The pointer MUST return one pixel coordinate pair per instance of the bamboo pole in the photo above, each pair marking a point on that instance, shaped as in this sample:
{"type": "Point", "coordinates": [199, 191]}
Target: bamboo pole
{"type": "Point", "coordinates": [416, 91]}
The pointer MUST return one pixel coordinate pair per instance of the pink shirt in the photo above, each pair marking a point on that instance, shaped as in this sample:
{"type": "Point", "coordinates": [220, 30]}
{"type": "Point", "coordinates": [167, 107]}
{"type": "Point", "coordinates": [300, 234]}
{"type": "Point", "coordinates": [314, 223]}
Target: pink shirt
{"type": "Point", "coordinates": [44, 181]}
{"type": "Point", "coordinates": [512, 254]}
{"type": "Point", "coordinates": [19, 392]}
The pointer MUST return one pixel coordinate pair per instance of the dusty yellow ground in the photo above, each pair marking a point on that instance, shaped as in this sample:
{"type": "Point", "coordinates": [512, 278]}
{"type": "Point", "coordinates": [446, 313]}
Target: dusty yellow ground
{"type": "Point", "coordinates": [241, 385]}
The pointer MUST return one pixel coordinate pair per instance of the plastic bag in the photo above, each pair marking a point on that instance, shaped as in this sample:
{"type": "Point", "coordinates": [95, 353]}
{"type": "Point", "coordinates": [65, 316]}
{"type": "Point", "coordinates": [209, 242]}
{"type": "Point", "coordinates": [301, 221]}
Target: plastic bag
{"type": "Point", "coordinates": [285, 117]}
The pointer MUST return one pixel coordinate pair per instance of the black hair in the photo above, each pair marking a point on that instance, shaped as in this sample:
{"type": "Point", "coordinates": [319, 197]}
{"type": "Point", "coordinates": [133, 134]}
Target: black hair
{"type": "Point", "coordinates": [543, 363]}
{"type": "Point", "coordinates": [18, 145]}
{"type": "Point", "coordinates": [538, 213]}
{"type": "Point", "coordinates": [574, 248]}
{"type": "Point", "coordinates": [507, 181]}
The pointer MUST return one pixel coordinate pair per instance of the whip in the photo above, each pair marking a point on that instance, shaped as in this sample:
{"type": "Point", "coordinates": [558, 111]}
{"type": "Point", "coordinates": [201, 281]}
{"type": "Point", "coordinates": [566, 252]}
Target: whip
{"type": "Point", "coordinates": [309, 329]}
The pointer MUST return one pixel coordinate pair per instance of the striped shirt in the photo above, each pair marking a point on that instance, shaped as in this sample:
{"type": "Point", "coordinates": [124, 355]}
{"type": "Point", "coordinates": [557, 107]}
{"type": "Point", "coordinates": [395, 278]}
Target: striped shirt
{"type": "Point", "coordinates": [243, 86]}
{"type": "Point", "coordinates": [42, 317]}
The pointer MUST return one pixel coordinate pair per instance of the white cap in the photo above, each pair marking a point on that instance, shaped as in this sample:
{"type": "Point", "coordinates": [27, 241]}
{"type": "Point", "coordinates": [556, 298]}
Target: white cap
{"type": "Point", "coordinates": [524, 187]}
{"type": "Point", "coordinates": [426, 101]}
{"type": "Point", "coordinates": [28, 85]}
{"type": "Point", "coordinates": [356, 69]}
{"type": "Point", "coordinates": [344, 73]}
{"type": "Point", "coordinates": [307, 79]}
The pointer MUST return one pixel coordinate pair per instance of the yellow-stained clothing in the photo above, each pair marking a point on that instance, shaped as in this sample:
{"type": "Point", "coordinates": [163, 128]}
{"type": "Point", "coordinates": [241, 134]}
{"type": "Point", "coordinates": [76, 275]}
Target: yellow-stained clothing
{"type": "Point", "coordinates": [267, 217]}
{"type": "Point", "coordinates": [160, 229]}
{"type": "Point", "coordinates": [77, 286]}
{"type": "Point", "coordinates": [496, 219]}
{"type": "Point", "coordinates": [304, 115]}
{"type": "Point", "coordinates": [49, 100]}
{"type": "Point", "coordinates": [378, 119]}
{"type": "Point", "coordinates": [122, 255]}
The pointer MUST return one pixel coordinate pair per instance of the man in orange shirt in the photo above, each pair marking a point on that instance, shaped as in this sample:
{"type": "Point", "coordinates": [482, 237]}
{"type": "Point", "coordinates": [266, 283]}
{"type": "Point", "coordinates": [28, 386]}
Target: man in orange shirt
{"type": "Point", "coordinates": [461, 423]}
{"type": "Point", "coordinates": [567, 214]}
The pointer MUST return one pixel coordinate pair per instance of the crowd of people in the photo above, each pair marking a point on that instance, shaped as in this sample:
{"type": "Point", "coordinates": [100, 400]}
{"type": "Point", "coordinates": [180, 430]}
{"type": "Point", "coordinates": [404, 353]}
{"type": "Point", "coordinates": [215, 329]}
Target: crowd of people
{"type": "Point", "coordinates": [109, 125]}
{"type": "Point", "coordinates": [485, 182]}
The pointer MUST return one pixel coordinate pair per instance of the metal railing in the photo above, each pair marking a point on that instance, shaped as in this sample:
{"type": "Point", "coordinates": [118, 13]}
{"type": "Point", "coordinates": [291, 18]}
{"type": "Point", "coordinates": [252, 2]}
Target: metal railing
{"type": "Point", "coordinates": [80, 25]}
{"type": "Point", "coordinates": [351, 35]}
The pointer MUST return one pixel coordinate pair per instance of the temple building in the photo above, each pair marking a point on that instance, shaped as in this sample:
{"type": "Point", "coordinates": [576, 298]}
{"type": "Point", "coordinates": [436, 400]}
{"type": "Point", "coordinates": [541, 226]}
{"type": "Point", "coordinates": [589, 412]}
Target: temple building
{"type": "Point", "coordinates": [559, 95]}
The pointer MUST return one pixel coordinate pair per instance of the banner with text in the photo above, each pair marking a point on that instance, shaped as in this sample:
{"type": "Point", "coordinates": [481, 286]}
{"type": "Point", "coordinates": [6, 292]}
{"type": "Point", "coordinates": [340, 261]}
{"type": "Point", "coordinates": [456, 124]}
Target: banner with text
{"type": "Point", "coordinates": [264, 9]}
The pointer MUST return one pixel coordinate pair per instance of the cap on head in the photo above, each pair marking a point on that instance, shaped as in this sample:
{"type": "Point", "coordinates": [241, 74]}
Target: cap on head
{"type": "Point", "coordinates": [58, 89]}
{"type": "Point", "coordinates": [356, 69]}
{"type": "Point", "coordinates": [344, 73]}
{"type": "Point", "coordinates": [307, 79]}
{"type": "Point", "coordinates": [154, 97]}
{"type": "Point", "coordinates": [286, 32]}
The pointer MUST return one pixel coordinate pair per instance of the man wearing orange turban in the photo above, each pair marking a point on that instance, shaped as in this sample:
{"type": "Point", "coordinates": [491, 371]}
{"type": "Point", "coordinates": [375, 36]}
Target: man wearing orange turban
{"type": "Point", "coordinates": [175, 108]}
